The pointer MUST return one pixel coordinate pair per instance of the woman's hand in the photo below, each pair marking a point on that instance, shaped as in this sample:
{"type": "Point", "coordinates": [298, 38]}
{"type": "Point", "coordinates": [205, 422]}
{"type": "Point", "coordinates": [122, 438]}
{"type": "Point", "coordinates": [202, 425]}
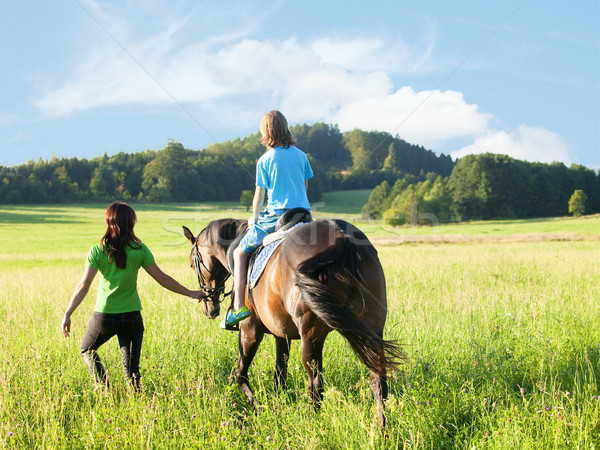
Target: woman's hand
{"type": "Point", "coordinates": [199, 295]}
{"type": "Point", "coordinates": [65, 326]}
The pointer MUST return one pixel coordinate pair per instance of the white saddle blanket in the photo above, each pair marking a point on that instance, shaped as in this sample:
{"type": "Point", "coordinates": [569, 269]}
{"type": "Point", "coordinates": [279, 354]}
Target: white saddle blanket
{"type": "Point", "coordinates": [270, 244]}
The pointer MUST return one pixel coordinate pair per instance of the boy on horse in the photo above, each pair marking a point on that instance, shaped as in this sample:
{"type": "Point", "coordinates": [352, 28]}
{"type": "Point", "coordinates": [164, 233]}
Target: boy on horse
{"type": "Point", "coordinates": [284, 172]}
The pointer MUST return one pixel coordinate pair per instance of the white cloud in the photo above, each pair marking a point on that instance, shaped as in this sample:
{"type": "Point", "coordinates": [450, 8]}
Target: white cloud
{"type": "Point", "coordinates": [346, 82]}
{"type": "Point", "coordinates": [425, 118]}
{"type": "Point", "coordinates": [374, 54]}
{"type": "Point", "coordinates": [526, 143]}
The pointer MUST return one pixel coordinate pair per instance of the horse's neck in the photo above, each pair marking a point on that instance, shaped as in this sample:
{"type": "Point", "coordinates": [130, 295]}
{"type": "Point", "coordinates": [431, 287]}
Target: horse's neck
{"type": "Point", "coordinates": [220, 250]}
{"type": "Point", "coordinates": [221, 254]}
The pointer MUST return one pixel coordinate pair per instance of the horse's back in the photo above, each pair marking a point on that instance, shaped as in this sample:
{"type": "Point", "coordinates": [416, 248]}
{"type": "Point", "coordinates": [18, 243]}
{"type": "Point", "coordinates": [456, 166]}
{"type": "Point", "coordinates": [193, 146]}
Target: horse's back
{"type": "Point", "coordinates": [321, 234]}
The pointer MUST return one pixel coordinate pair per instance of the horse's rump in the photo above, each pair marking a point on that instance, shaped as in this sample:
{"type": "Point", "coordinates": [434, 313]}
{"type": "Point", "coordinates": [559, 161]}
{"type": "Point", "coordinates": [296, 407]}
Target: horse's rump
{"type": "Point", "coordinates": [343, 281]}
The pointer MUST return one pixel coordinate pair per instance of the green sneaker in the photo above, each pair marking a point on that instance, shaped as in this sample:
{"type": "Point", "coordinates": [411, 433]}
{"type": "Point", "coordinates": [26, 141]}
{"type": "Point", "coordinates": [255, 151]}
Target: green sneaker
{"type": "Point", "coordinates": [235, 317]}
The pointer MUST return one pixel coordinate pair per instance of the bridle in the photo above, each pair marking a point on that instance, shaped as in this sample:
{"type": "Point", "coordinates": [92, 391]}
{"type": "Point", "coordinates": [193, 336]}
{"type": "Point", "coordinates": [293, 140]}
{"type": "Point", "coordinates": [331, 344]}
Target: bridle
{"type": "Point", "coordinates": [217, 291]}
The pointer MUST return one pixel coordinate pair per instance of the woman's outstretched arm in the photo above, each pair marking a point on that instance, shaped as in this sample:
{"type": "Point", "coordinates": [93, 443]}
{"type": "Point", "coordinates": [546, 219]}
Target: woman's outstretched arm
{"type": "Point", "coordinates": [171, 284]}
{"type": "Point", "coordinates": [79, 294]}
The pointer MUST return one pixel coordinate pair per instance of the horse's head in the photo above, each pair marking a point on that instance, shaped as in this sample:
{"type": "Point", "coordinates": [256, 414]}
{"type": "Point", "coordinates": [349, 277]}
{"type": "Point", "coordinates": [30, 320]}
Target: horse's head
{"type": "Point", "coordinates": [211, 274]}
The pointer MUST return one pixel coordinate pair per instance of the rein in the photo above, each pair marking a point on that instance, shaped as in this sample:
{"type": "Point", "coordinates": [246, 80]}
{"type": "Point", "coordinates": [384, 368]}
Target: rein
{"type": "Point", "coordinates": [219, 290]}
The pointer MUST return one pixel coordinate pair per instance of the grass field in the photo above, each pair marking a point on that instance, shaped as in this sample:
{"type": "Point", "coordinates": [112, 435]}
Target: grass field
{"type": "Point", "coordinates": [503, 340]}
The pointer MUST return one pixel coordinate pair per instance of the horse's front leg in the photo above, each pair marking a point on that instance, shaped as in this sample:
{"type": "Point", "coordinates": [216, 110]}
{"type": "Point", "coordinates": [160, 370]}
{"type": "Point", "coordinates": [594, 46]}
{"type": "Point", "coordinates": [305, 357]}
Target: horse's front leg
{"type": "Point", "coordinates": [250, 336]}
{"type": "Point", "coordinates": [282, 346]}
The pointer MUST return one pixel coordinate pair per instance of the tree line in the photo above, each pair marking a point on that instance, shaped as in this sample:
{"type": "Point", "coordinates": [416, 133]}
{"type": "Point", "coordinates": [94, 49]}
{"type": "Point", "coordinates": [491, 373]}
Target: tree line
{"type": "Point", "coordinates": [220, 172]}
{"type": "Point", "coordinates": [410, 183]}
{"type": "Point", "coordinates": [487, 186]}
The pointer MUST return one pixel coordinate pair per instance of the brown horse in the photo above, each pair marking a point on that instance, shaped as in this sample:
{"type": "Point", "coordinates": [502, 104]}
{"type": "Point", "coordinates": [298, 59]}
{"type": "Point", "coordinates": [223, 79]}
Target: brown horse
{"type": "Point", "coordinates": [325, 276]}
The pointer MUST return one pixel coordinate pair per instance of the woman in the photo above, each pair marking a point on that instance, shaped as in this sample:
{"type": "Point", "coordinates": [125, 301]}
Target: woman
{"type": "Point", "coordinates": [283, 171]}
{"type": "Point", "coordinates": [118, 257]}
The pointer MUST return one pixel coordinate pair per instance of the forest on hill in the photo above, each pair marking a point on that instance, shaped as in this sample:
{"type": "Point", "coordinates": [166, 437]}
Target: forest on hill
{"type": "Point", "coordinates": [488, 186]}
{"type": "Point", "coordinates": [220, 172]}
{"type": "Point", "coordinates": [411, 184]}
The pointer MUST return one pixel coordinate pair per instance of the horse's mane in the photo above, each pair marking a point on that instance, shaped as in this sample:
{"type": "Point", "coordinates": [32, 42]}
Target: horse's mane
{"type": "Point", "coordinates": [223, 231]}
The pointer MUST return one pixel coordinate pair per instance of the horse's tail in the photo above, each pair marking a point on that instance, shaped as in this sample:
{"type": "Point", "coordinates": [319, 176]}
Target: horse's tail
{"type": "Point", "coordinates": [328, 283]}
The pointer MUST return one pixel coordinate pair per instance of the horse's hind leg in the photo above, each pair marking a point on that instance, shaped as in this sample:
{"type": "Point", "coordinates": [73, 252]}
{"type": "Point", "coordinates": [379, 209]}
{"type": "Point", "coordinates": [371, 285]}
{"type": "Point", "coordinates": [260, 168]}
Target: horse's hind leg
{"type": "Point", "coordinates": [250, 338]}
{"type": "Point", "coordinates": [380, 391]}
{"type": "Point", "coordinates": [312, 359]}
{"type": "Point", "coordinates": [282, 346]}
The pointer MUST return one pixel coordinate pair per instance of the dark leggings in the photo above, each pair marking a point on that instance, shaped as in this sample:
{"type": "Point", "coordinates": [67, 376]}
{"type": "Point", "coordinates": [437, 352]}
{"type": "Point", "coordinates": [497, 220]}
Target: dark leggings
{"type": "Point", "coordinates": [129, 328]}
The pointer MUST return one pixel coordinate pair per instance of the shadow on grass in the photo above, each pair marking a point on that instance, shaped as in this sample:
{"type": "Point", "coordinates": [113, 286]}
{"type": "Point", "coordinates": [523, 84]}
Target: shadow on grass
{"type": "Point", "coordinates": [47, 214]}
{"type": "Point", "coordinates": [38, 218]}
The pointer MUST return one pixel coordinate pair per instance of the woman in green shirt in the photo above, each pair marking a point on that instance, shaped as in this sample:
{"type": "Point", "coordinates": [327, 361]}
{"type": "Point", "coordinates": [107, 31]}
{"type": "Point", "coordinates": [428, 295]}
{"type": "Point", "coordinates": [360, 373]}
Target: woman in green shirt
{"type": "Point", "coordinates": [118, 258]}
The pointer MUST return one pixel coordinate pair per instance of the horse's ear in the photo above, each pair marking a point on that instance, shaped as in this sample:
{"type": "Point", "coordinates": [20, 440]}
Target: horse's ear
{"type": "Point", "coordinates": [189, 235]}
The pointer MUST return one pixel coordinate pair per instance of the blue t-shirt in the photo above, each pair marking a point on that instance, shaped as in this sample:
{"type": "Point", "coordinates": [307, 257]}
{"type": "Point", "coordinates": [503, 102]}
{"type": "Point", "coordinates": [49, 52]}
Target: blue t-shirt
{"type": "Point", "coordinates": [283, 171]}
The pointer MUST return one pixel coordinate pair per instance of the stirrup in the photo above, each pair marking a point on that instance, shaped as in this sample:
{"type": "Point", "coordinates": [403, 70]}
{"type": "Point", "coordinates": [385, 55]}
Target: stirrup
{"type": "Point", "coordinates": [224, 324]}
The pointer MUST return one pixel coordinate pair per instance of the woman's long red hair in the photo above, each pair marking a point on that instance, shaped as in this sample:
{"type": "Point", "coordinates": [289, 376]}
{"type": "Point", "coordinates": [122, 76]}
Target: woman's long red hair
{"type": "Point", "coordinates": [120, 220]}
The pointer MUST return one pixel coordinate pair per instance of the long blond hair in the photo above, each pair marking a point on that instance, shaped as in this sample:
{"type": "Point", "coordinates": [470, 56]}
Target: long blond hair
{"type": "Point", "coordinates": [274, 130]}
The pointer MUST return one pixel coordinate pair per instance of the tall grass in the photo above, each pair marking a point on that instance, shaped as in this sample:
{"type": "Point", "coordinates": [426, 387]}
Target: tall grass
{"type": "Point", "coordinates": [503, 342]}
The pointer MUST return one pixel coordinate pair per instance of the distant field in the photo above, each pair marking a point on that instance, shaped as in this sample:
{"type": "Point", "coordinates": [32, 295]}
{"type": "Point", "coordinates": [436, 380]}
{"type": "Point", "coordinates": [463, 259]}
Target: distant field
{"type": "Point", "coordinates": [502, 335]}
{"type": "Point", "coordinates": [343, 202]}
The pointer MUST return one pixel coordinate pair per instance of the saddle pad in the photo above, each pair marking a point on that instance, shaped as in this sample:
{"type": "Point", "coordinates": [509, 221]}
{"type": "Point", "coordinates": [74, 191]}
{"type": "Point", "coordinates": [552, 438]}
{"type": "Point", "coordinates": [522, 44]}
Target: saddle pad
{"type": "Point", "coordinates": [264, 253]}
{"type": "Point", "coordinates": [260, 261]}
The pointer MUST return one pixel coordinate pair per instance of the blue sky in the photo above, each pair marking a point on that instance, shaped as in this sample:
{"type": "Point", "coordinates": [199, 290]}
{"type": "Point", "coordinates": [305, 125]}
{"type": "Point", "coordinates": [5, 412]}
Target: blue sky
{"type": "Point", "coordinates": [83, 78]}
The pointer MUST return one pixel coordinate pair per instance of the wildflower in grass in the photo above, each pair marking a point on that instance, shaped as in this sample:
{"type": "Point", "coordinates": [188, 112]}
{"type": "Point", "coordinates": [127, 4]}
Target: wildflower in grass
{"type": "Point", "coordinates": [268, 438]}
{"type": "Point", "coordinates": [522, 390]}
{"type": "Point", "coordinates": [568, 393]}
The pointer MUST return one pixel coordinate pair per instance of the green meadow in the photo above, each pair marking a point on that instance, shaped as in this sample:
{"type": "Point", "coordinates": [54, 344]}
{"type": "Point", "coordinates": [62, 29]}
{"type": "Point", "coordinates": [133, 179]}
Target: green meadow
{"type": "Point", "coordinates": [500, 322]}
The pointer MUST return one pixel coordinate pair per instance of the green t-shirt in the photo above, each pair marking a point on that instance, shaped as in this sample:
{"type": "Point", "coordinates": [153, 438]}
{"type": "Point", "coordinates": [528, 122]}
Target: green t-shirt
{"type": "Point", "coordinates": [117, 292]}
